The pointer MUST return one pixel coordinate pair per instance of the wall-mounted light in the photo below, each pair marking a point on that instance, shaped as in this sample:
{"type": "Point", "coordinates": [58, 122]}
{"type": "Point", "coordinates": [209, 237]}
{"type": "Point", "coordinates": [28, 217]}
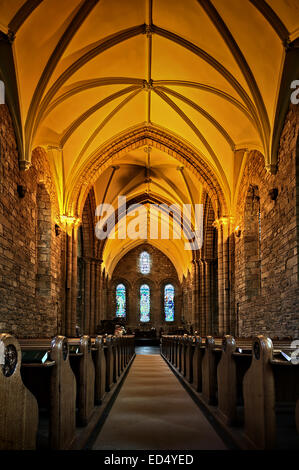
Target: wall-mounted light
{"type": "Point", "coordinates": [238, 231]}
{"type": "Point", "coordinates": [21, 191]}
{"type": "Point", "coordinates": [273, 193]}
{"type": "Point", "coordinates": [57, 230]}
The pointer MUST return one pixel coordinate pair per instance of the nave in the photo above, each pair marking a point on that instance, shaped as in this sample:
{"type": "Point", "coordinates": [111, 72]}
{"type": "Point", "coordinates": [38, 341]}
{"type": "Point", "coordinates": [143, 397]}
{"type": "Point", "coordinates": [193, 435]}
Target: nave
{"type": "Point", "coordinates": [149, 194]}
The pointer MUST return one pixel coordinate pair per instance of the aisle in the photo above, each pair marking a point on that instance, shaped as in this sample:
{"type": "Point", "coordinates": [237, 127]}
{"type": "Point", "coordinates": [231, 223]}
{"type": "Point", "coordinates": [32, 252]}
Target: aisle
{"type": "Point", "coordinates": [153, 411]}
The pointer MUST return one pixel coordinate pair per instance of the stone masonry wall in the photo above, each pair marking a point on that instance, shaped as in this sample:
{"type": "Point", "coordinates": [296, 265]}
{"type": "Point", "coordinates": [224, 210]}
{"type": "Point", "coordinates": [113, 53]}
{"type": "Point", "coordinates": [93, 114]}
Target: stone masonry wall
{"type": "Point", "coordinates": [31, 297]}
{"type": "Point", "coordinates": [274, 309]}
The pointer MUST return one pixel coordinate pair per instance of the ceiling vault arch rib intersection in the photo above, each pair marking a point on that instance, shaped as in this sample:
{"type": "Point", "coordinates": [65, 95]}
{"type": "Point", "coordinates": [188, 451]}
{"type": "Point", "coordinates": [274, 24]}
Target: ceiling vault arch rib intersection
{"type": "Point", "coordinates": [136, 138]}
{"type": "Point", "coordinates": [200, 130]}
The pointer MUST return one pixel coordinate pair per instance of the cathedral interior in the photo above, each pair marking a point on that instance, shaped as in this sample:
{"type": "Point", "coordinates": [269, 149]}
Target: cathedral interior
{"type": "Point", "coordinates": [149, 170]}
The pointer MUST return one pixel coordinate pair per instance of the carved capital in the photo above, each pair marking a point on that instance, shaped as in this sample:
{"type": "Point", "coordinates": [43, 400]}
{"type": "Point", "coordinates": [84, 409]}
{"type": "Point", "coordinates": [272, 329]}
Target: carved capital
{"type": "Point", "coordinates": [224, 221]}
{"type": "Point", "coordinates": [271, 168]}
{"type": "Point", "coordinates": [69, 223]}
{"type": "Point", "coordinates": [24, 165]}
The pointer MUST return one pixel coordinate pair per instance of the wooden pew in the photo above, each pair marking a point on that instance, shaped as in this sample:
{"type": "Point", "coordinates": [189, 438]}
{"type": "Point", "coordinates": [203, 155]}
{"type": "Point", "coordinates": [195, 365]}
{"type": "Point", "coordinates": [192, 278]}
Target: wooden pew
{"type": "Point", "coordinates": [131, 339]}
{"type": "Point", "coordinates": [122, 353]}
{"type": "Point", "coordinates": [230, 373]}
{"type": "Point", "coordinates": [18, 406]}
{"type": "Point", "coordinates": [130, 346]}
{"type": "Point", "coordinates": [53, 384]}
{"type": "Point", "coordinates": [98, 356]}
{"type": "Point", "coordinates": [83, 367]}
{"type": "Point", "coordinates": [119, 356]}
{"type": "Point", "coordinates": [180, 354]}
{"type": "Point", "coordinates": [108, 349]}
{"type": "Point", "coordinates": [267, 384]}
{"type": "Point", "coordinates": [197, 363]}
{"type": "Point", "coordinates": [176, 351]}
{"type": "Point", "coordinates": [183, 354]}
{"type": "Point", "coordinates": [115, 350]}
{"type": "Point", "coordinates": [211, 357]}
{"type": "Point", "coordinates": [125, 351]}
{"type": "Point", "coordinates": [189, 358]}
{"type": "Point", "coordinates": [172, 350]}
{"type": "Point", "coordinates": [166, 347]}
{"type": "Point", "coordinates": [227, 381]}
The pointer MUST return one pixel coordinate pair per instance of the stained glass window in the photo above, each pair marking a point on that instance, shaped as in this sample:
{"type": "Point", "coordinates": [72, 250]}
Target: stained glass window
{"type": "Point", "coordinates": [121, 301]}
{"type": "Point", "coordinates": [144, 263]}
{"type": "Point", "coordinates": [145, 303]}
{"type": "Point", "coordinates": [169, 302]}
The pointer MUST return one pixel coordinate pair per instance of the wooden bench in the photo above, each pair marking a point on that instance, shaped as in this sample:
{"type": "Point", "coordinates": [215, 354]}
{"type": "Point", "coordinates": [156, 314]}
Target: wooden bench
{"type": "Point", "coordinates": [47, 373]}
{"type": "Point", "coordinates": [83, 367]}
{"type": "Point", "coordinates": [98, 356]}
{"type": "Point", "coordinates": [210, 360]}
{"type": "Point", "coordinates": [235, 361]}
{"type": "Point", "coordinates": [115, 350]}
{"type": "Point", "coordinates": [190, 346]}
{"type": "Point", "coordinates": [268, 384]}
{"type": "Point", "coordinates": [108, 349]}
{"type": "Point", "coordinates": [131, 346]}
{"type": "Point", "coordinates": [18, 406]}
{"type": "Point", "coordinates": [197, 363]}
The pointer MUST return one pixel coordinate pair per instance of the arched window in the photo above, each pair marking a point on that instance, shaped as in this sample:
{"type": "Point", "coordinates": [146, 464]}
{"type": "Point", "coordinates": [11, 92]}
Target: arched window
{"type": "Point", "coordinates": [121, 301]}
{"type": "Point", "coordinates": [145, 303]}
{"type": "Point", "coordinates": [169, 302]}
{"type": "Point", "coordinates": [144, 263]}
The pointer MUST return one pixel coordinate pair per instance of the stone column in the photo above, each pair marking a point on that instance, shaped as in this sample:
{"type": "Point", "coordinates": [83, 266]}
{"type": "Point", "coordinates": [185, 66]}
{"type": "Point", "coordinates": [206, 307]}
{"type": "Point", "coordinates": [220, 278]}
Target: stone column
{"type": "Point", "coordinates": [202, 307]}
{"type": "Point", "coordinates": [194, 293]}
{"type": "Point", "coordinates": [103, 297]}
{"type": "Point", "coordinates": [70, 225]}
{"type": "Point", "coordinates": [97, 293]}
{"type": "Point", "coordinates": [87, 297]}
{"type": "Point", "coordinates": [100, 317]}
{"type": "Point", "coordinates": [226, 279]}
{"type": "Point", "coordinates": [207, 265]}
{"type": "Point", "coordinates": [74, 282]}
{"type": "Point", "coordinates": [68, 306]}
{"type": "Point", "coordinates": [223, 227]}
{"type": "Point", "coordinates": [92, 297]}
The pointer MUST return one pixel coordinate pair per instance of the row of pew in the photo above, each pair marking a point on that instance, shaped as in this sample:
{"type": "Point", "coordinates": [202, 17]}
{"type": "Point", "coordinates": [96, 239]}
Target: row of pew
{"type": "Point", "coordinates": [49, 388]}
{"type": "Point", "coordinates": [252, 386]}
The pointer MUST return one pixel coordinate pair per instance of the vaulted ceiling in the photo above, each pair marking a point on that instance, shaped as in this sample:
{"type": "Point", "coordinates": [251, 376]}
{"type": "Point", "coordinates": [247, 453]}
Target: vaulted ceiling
{"type": "Point", "coordinates": [206, 73]}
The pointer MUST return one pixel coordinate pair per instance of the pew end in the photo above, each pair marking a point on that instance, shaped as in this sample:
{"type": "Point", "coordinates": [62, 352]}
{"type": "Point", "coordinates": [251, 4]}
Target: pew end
{"type": "Point", "coordinates": [259, 400]}
{"type": "Point", "coordinates": [18, 406]}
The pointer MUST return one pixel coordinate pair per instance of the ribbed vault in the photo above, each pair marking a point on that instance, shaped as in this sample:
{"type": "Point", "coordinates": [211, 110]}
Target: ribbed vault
{"type": "Point", "coordinates": [214, 74]}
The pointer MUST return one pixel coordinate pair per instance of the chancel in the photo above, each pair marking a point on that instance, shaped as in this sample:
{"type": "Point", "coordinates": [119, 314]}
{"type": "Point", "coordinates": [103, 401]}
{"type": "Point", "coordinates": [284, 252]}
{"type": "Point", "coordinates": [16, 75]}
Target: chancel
{"type": "Point", "coordinates": [149, 225]}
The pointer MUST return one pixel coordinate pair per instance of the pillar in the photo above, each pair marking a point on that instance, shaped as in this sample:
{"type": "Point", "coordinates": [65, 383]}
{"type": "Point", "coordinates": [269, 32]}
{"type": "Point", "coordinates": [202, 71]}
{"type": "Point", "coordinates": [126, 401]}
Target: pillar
{"type": "Point", "coordinates": [202, 307]}
{"type": "Point", "coordinates": [223, 227]}
{"type": "Point", "coordinates": [70, 225]}
{"type": "Point", "coordinates": [208, 310]}
{"type": "Point", "coordinates": [87, 296]}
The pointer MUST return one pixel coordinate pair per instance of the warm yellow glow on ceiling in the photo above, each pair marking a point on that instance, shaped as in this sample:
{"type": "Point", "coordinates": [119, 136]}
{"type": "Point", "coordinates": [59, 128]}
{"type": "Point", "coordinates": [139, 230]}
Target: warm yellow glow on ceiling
{"type": "Point", "coordinates": [206, 72]}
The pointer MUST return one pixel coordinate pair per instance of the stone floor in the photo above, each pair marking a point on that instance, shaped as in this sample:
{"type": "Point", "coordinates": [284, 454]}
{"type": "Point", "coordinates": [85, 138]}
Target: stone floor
{"type": "Point", "coordinates": [154, 411]}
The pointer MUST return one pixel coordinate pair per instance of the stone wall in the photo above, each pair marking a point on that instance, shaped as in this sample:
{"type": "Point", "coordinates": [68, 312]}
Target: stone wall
{"type": "Point", "coordinates": [162, 272]}
{"type": "Point", "coordinates": [31, 294]}
{"type": "Point", "coordinates": [272, 308]}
